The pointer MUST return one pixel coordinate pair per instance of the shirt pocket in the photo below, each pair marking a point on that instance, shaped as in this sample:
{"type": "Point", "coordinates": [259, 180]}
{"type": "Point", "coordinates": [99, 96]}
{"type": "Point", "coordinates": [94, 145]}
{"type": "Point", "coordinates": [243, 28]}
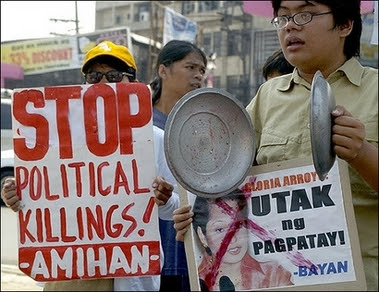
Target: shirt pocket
{"type": "Point", "coordinates": [272, 147]}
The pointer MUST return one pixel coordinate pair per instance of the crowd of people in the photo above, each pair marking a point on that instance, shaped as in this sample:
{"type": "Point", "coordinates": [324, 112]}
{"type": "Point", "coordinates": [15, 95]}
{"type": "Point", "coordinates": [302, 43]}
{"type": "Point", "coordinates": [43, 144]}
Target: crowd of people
{"type": "Point", "coordinates": [314, 35]}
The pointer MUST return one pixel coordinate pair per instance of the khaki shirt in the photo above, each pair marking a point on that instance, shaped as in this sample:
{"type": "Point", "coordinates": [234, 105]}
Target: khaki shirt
{"type": "Point", "coordinates": [80, 285]}
{"type": "Point", "coordinates": [280, 116]}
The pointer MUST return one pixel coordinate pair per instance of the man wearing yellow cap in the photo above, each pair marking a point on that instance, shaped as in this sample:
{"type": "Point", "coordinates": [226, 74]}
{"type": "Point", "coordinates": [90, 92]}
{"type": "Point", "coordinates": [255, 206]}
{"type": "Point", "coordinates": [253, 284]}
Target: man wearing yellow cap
{"type": "Point", "coordinates": [107, 55]}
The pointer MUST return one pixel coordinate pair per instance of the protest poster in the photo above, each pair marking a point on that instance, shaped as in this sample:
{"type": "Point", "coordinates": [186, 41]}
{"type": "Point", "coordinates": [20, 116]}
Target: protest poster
{"type": "Point", "coordinates": [84, 165]}
{"type": "Point", "coordinates": [297, 233]}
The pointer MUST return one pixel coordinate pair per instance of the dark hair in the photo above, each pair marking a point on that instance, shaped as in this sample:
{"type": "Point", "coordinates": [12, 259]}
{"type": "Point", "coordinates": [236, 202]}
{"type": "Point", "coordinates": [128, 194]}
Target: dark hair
{"type": "Point", "coordinates": [201, 208]}
{"type": "Point", "coordinates": [173, 51]}
{"type": "Point", "coordinates": [276, 62]}
{"type": "Point", "coordinates": [343, 10]}
{"type": "Point", "coordinates": [115, 63]}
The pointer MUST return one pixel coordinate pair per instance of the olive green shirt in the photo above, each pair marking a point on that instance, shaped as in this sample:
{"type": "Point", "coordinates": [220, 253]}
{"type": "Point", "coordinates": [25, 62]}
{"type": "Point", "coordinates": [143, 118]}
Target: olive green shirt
{"type": "Point", "coordinates": [280, 116]}
{"type": "Point", "coordinates": [80, 285]}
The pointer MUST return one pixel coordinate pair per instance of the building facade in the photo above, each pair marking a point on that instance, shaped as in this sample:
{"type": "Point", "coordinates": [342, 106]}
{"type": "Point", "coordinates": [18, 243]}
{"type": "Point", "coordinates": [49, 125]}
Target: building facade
{"type": "Point", "coordinates": [237, 43]}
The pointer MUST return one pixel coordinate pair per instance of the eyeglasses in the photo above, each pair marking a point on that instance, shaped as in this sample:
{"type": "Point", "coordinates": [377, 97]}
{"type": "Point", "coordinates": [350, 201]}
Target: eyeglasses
{"type": "Point", "coordinates": [112, 76]}
{"type": "Point", "coordinates": [300, 19]}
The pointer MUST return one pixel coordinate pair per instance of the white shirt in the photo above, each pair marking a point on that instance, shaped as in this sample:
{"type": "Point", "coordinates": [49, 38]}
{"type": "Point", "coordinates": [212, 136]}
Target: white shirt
{"type": "Point", "coordinates": [152, 283]}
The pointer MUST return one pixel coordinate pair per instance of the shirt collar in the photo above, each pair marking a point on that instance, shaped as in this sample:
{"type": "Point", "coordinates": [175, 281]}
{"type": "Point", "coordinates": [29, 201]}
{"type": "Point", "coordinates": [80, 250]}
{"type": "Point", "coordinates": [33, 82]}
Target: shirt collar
{"type": "Point", "coordinates": [352, 69]}
{"type": "Point", "coordinates": [290, 79]}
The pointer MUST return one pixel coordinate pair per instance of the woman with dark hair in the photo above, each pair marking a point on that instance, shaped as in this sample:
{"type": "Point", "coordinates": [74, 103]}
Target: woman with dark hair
{"type": "Point", "coordinates": [180, 69]}
{"type": "Point", "coordinates": [222, 228]}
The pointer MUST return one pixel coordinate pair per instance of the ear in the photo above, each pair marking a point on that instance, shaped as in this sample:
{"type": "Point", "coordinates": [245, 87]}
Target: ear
{"type": "Point", "coordinates": [345, 29]}
{"type": "Point", "coordinates": [162, 71]}
{"type": "Point", "coordinates": [201, 236]}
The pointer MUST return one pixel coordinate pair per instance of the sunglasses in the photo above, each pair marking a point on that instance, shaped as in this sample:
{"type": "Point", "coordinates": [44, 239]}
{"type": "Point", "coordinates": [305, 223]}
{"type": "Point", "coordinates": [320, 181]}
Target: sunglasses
{"type": "Point", "coordinates": [112, 76]}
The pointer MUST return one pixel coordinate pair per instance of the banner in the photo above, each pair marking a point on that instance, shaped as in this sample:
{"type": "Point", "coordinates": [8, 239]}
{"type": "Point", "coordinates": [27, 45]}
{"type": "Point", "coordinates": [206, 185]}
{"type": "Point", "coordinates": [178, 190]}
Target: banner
{"type": "Point", "coordinates": [178, 27]}
{"type": "Point", "coordinates": [42, 55]}
{"type": "Point", "coordinates": [282, 229]}
{"type": "Point", "coordinates": [84, 165]}
{"type": "Point", "coordinates": [59, 53]}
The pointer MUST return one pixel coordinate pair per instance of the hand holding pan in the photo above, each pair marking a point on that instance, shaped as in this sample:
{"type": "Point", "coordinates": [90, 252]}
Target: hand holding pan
{"type": "Point", "coordinates": [209, 142]}
{"type": "Point", "coordinates": [210, 147]}
{"type": "Point", "coordinates": [322, 104]}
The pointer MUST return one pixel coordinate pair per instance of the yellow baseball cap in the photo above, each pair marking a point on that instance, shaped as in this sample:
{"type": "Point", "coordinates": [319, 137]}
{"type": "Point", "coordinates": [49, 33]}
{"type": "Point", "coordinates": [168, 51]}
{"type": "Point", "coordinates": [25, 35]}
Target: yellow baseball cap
{"type": "Point", "coordinates": [107, 48]}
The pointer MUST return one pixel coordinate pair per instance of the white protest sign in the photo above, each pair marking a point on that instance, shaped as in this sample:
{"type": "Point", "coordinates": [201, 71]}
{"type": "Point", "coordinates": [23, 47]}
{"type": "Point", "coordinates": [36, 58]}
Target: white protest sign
{"type": "Point", "coordinates": [84, 165]}
{"type": "Point", "coordinates": [300, 232]}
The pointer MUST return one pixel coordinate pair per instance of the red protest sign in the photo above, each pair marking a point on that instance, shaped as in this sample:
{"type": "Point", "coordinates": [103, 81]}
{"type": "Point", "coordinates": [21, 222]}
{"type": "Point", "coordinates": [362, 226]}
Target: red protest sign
{"type": "Point", "coordinates": [84, 166]}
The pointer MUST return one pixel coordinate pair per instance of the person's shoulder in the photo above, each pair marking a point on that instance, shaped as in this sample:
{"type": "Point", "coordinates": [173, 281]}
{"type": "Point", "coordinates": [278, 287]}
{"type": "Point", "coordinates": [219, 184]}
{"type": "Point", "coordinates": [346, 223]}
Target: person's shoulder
{"type": "Point", "coordinates": [370, 71]}
{"type": "Point", "coordinates": [279, 80]}
{"type": "Point", "coordinates": [282, 83]}
{"type": "Point", "coordinates": [369, 78]}
{"type": "Point", "coordinates": [357, 72]}
{"type": "Point", "coordinates": [158, 132]}
{"type": "Point", "coordinates": [272, 267]}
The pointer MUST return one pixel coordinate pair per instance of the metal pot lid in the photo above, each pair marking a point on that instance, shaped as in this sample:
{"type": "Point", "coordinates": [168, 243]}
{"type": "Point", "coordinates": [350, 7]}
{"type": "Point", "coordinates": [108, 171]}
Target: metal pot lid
{"type": "Point", "coordinates": [322, 104]}
{"type": "Point", "coordinates": [209, 142]}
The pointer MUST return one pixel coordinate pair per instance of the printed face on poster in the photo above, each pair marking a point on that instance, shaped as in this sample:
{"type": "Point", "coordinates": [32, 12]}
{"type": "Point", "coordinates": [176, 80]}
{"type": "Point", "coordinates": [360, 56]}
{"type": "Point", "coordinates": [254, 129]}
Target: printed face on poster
{"type": "Point", "coordinates": [283, 229]}
{"type": "Point", "coordinates": [84, 165]}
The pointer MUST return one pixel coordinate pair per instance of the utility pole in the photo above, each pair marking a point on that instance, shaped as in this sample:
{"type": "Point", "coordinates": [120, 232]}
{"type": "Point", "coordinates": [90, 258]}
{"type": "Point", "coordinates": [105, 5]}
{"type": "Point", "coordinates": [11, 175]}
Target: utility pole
{"type": "Point", "coordinates": [76, 18]}
{"type": "Point", "coordinates": [76, 21]}
{"type": "Point", "coordinates": [243, 49]}
{"type": "Point", "coordinates": [154, 37]}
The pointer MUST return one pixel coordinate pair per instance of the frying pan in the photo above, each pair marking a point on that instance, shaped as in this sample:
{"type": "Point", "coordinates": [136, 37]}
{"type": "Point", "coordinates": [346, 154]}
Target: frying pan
{"type": "Point", "coordinates": [209, 142]}
{"type": "Point", "coordinates": [322, 103]}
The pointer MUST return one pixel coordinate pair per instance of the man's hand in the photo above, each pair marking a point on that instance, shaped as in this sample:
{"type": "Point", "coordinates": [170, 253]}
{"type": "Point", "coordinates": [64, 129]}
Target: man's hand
{"type": "Point", "coordinates": [182, 218]}
{"type": "Point", "coordinates": [348, 134]}
{"type": "Point", "coordinates": [162, 190]}
{"type": "Point", "coordinates": [350, 144]}
{"type": "Point", "coordinates": [9, 195]}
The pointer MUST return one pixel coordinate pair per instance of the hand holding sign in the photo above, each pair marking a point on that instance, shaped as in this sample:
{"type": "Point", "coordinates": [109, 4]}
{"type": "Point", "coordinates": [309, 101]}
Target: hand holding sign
{"type": "Point", "coordinates": [83, 159]}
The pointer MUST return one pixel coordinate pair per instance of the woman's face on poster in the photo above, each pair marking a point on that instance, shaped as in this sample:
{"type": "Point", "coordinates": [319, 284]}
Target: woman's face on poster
{"type": "Point", "coordinates": [217, 229]}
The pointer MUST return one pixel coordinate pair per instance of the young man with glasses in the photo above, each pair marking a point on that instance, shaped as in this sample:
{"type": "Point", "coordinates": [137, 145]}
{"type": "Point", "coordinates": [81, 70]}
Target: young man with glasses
{"type": "Point", "coordinates": [325, 35]}
{"type": "Point", "coordinates": [322, 35]}
{"type": "Point", "coordinates": [111, 63]}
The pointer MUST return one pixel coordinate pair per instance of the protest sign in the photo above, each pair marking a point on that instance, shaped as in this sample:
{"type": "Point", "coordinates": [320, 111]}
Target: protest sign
{"type": "Point", "coordinates": [298, 233]}
{"type": "Point", "coordinates": [84, 165]}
